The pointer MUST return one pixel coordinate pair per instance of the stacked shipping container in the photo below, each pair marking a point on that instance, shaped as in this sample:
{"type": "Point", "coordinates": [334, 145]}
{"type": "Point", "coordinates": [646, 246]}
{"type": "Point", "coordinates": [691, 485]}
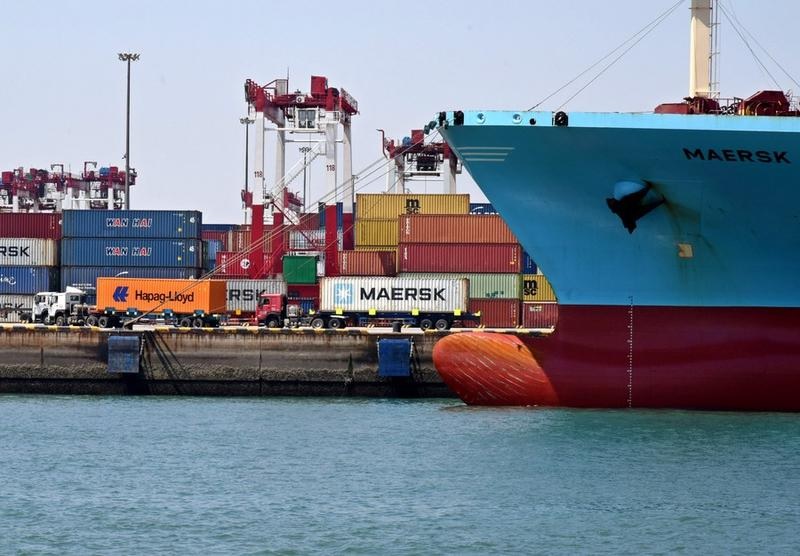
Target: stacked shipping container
{"type": "Point", "coordinates": [29, 260]}
{"type": "Point", "coordinates": [133, 243]}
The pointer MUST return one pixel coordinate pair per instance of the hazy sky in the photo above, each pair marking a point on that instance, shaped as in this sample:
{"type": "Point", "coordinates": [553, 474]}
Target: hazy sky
{"type": "Point", "coordinates": [62, 89]}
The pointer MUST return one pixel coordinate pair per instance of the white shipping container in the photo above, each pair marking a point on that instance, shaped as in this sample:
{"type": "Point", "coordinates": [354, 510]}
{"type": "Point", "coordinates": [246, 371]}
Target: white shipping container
{"type": "Point", "coordinates": [310, 240]}
{"type": "Point", "coordinates": [20, 251]}
{"type": "Point", "coordinates": [392, 294]}
{"type": "Point", "coordinates": [12, 307]}
{"type": "Point", "coordinates": [242, 294]}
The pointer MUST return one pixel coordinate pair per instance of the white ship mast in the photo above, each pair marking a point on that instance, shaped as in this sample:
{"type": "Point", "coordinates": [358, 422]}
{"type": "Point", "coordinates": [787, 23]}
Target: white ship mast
{"type": "Point", "coordinates": [700, 82]}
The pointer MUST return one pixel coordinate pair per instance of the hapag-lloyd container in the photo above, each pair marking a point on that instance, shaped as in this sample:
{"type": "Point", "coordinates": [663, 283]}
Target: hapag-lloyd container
{"type": "Point", "coordinates": [42, 225]}
{"type": "Point", "coordinates": [367, 263]}
{"type": "Point", "coordinates": [486, 286]}
{"type": "Point", "coordinates": [469, 257]}
{"type": "Point", "coordinates": [181, 224]}
{"type": "Point", "coordinates": [12, 307]}
{"type": "Point", "coordinates": [242, 295]}
{"type": "Point", "coordinates": [393, 294]}
{"type": "Point", "coordinates": [25, 280]}
{"type": "Point", "coordinates": [536, 287]}
{"type": "Point", "coordinates": [16, 251]}
{"type": "Point", "coordinates": [85, 277]}
{"type": "Point", "coordinates": [539, 315]}
{"type": "Point", "coordinates": [497, 313]}
{"type": "Point", "coordinates": [153, 295]}
{"type": "Point", "coordinates": [392, 205]}
{"type": "Point", "coordinates": [454, 228]}
{"type": "Point", "coordinates": [131, 252]}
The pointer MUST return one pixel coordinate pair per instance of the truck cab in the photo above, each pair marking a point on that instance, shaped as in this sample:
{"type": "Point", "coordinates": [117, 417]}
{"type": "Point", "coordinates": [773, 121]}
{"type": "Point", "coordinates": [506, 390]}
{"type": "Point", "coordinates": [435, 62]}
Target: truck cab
{"type": "Point", "coordinates": [60, 308]}
{"type": "Point", "coordinates": [274, 311]}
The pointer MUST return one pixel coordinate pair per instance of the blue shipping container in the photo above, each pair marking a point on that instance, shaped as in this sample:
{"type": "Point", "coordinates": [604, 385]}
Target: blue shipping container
{"type": "Point", "coordinates": [218, 227]}
{"type": "Point", "coordinates": [132, 223]}
{"type": "Point", "coordinates": [481, 208]}
{"type": "Point", "coordinates": [210, 248]}
{"type": "Point", "coordinates": [85, 277]}
{"type": "Point", "coordinates": [528, 264]}
{"type": "Point", "coordinates": [339, 215]}
{"type": "Point", "coordinates": [131, 252]}
{"type": "Point", "coordinates": [28, 280]}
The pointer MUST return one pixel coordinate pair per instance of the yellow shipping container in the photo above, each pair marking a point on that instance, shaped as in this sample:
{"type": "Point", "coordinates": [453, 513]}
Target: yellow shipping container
{"type": "Point", "coordinates": [392, 205]}
{"type": "Point", "coordinates": [535, 287]}
{"type": "Point", "coordinates": [392, 248]}
{"type": "Point", "coordinates": [377, 233]}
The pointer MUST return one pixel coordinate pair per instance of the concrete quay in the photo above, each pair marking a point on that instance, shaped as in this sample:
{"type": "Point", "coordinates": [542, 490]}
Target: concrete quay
{"type": "Point", "coordinates": [228, 361]}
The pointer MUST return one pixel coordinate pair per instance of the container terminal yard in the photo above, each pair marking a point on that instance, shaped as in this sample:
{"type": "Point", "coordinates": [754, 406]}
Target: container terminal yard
{"type": "Point", "coordinates": [345, 298]}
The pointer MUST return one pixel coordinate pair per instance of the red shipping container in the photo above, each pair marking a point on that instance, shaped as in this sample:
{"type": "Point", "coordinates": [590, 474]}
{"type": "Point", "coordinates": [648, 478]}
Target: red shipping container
{"type": "Point", "coordinates": [214, 235]}
{"type": "Point", "coordinates": [496, 313]}
{"type": "Point", "coordinates": [454, 228]}
{"type": "Point", "coordinates": [468, 257]}
{"type": "Point", "coordinates": [367, 263]}
{"type": "Point", "coordinates": [38, 225]}
{"type": "Point", "coordinates": [539, 315]}
{"type": "Point", "coordinates": [302, 291]}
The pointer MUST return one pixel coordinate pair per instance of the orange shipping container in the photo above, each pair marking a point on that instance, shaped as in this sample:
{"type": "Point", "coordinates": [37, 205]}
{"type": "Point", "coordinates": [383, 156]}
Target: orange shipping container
{"type": "Point", "coordinates": [158, 295]}
{"type": "Point", "coordinates": [456, 228]}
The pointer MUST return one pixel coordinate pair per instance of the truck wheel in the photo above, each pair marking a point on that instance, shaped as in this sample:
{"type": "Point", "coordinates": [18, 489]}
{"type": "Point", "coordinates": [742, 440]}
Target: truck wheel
{"type": "Point", "coordinates": [197, 323]}
{"type": "Point", "coordinates": [60, 320]}
{"type": "Point", "coordinates": [91, 320]}
{"type": "Point", "coordinates": [442, 324]}
{"type": "Point", "coordinates": [425, 324]}
{"type": "Point", "coordinates": [336, 324]}
{"type": "Point", "coordinates": [185, 322]}
{"type": "Point", "coordinates": [317, 323]}
{"type": "Point", "coordinates": [273, 322]}
{"type": "Point", "coordinates": [102, 322]}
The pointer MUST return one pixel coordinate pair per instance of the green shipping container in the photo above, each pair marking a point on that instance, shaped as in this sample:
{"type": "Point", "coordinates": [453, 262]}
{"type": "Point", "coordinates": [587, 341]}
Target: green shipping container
{"type": "Point", "coordinates": [300, 269]}
{"type": "Point", "coordinates": [481, 286]}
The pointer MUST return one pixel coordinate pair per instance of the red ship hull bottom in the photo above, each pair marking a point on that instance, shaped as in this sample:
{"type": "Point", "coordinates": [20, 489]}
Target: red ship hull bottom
{"type": "Point", "coordinates": [644, 357]}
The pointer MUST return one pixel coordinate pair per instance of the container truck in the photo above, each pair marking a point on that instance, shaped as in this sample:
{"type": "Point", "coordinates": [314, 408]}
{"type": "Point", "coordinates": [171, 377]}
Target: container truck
{"type": "Point", "coordinates": [425, 302]}
{"type": "Point", "coordinates": [195, 303]}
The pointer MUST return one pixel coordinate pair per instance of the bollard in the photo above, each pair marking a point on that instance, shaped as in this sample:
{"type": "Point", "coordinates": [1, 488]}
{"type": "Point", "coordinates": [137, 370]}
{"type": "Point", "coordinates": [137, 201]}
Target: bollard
{"type": "Point", "coordinates": [397, 326]}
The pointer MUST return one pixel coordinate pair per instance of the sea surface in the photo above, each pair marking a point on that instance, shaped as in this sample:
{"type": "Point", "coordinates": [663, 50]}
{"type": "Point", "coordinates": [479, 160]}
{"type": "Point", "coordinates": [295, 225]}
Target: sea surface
{"type": "Point", "coordinates": [146, 475]}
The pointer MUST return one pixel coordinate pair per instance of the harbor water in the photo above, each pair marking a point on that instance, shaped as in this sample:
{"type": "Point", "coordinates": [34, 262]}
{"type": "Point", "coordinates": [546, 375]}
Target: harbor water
{"type": "Point", "coordinates": [138, 475]}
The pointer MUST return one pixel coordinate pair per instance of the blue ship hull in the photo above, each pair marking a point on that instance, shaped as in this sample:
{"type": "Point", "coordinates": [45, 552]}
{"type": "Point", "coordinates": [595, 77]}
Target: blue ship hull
{"type": "Point", "coordinates": [690, 301]}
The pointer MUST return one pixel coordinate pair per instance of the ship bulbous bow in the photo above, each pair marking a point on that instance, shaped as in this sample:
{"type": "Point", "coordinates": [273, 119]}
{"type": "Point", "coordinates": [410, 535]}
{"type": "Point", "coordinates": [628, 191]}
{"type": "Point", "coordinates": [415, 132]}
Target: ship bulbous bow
{"type": "Point", "coordinates": [486, 368]}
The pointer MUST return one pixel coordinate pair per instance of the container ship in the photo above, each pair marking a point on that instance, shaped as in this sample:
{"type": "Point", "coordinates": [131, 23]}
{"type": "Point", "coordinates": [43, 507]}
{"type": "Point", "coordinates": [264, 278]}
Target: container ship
{"type": "Point", "coordinates": [670, 239]}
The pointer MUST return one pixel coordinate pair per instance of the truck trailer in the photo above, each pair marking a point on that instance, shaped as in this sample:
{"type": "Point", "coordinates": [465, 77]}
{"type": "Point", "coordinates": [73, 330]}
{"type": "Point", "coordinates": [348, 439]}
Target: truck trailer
{"type": "Point", "coordinates": [424, 302]}
{"type": "Point", "coordinates": [194, 303]}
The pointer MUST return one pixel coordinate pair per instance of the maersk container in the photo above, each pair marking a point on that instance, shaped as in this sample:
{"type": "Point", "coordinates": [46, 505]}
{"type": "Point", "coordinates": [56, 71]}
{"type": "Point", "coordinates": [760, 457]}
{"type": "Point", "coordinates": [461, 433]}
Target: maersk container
{"type": "Point", "coordinates": [42, 225]}
{"type": "Point", "coordinates": [12, 307]}
{"type": "Point", "coordinates": [536, 287]}
{"type": "Point", "coordinates": [299, 269]}
{"type": "Point", "coordinates": [242, 295]}
{"type": "Point", "coordinates": [392, 205]}
{"type": "Point", "coordinates": [131, 252]}
{"type": "Point", "coordinates": [26, 280]}
{"type": "Point", "coordinates": [367, 263]}
{"type": "Point", "coordinates": [28, 252]}
{"type": "Point", "coordinates": [481, 286]}
{"type": "Point", "coordinates": [165, 224]}
{"type": "Point", "coordinates": [382, 232]}
{"type": "Point", "coordinates": [85, 277]}
{"type": "Point", "coordinates": [454, 228]}
{"type": "Point", "coordinates": [539, 315]}
{"type": "Point", "coordinates": [469, 257]}
{"type": "Point", "coordinates": [497, 313]}
{"type": "Point", "coordinates": [365, 294]}
{"type": "Point", "coordinates": [152, 295]}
